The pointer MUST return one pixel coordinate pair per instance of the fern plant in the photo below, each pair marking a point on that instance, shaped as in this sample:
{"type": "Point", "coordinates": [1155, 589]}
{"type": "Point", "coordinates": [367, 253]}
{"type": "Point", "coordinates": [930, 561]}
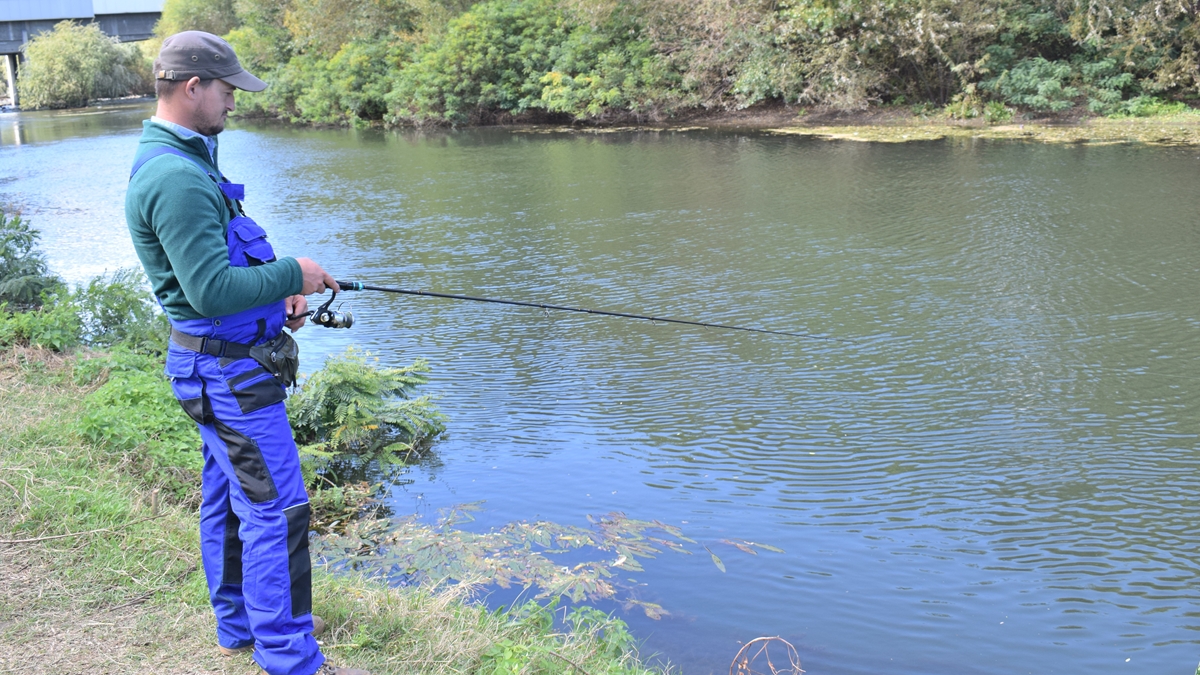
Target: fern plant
{"type": "Point", "coordinates": [23, 272]}
{"type": "Point", "coordinates": [353, 406]}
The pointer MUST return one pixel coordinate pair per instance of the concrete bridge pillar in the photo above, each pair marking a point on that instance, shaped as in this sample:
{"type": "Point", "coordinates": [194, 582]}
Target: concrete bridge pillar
{"type": "Point", "coordinates": [10, 73]}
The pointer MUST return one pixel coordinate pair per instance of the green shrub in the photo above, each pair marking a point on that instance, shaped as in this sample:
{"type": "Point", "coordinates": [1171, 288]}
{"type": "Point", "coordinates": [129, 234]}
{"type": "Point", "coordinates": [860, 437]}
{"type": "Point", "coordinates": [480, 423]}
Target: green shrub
{"type": "Point", "coordinates": [491, 59]}
{"type": "Point", "coordinates": [996, 112]}
{"type": "Point", "coordinates": [1151, 106]}
{"type": "Point", "coordinates": [134, 413]}
{"type": "Point", "coordinates": [53, 325]}
{"type": "Point", "coordinates": [351, 405]}
{"type": "Point", "coordinates": [23, 272]}
{"type": "Point", "coordinates": [349, 88]}
{"type": "Point", "coordinates": [120, 309]}
{"type": "Point", "coordinates": [596, 73]}
{"type": "Point", "coordinates": [518, 56]}
{"type": "Point", "coordinates": [74, 63]}
{"type": "Point", "coordinates": [1105, 85]}
{"type": "Point", "coordinates": [1036, 84]}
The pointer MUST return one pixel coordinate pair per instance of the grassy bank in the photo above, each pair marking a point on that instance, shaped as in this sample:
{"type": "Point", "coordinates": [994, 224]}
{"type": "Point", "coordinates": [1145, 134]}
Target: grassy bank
{"type": "Point", "coordinates": [99, 571]}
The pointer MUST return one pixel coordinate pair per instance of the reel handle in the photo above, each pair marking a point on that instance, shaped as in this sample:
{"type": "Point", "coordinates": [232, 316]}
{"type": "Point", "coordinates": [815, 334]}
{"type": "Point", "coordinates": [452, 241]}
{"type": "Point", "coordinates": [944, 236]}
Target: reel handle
{"type": "Point", "coordinates": [329, 318]}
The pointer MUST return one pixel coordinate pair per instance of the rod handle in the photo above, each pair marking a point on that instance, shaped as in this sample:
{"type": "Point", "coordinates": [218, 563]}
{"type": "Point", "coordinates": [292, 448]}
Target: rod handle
{"type": "Point", "coordinates": [350, 285]}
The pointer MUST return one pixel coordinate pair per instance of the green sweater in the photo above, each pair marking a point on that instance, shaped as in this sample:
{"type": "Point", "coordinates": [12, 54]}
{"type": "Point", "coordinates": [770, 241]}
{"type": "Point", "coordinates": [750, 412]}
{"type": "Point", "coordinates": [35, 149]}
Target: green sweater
{"type": "Point", "coordinates": [177, 217]}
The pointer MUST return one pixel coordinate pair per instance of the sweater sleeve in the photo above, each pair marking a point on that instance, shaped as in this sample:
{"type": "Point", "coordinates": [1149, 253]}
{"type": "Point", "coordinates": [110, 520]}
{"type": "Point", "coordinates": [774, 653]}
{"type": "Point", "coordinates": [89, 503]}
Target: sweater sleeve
{"type": "Point", "coordinates": [189, 220]}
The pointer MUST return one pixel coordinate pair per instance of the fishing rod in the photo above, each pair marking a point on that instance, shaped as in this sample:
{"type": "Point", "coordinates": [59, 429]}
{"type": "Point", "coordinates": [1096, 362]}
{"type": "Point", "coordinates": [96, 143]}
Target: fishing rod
{"type": "Point", "coordinates": [330, 318]}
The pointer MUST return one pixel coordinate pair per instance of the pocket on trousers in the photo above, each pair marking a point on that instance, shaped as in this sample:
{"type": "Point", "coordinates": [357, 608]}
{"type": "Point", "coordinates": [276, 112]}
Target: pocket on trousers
{"type": "Point", "coordinates": [248, 464]}
{"type": "Point", "coordinates": [192, 397]}
{"type": "Point", "coordinates": [199, 409]}
{"type": "Point", "coordinates": [256, 389]}
{"type": "Point", "coordinates": [180, 362]}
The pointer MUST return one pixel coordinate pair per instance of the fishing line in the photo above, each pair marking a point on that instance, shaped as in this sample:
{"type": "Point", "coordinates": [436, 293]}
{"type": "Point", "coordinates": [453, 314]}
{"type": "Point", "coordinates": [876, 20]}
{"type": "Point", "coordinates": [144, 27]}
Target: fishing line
{"type": "Point", "coordinates": [334, 319]}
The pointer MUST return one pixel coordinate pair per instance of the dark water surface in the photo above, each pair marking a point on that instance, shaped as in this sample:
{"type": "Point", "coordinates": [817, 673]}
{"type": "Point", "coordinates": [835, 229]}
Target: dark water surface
{"type": "Point", "coordinates": [997, 475]}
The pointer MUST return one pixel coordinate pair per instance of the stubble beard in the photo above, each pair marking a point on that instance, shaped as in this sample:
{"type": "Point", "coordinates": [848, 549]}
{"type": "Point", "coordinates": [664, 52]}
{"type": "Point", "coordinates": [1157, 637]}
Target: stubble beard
{"type": "Point", "coordinates": [213, 128]}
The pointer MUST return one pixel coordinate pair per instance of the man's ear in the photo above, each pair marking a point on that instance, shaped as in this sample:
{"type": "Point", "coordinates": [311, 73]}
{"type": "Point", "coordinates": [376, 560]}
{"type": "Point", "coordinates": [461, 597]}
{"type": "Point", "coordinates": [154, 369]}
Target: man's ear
{"type": "Point", "coordinates": [190, 87]}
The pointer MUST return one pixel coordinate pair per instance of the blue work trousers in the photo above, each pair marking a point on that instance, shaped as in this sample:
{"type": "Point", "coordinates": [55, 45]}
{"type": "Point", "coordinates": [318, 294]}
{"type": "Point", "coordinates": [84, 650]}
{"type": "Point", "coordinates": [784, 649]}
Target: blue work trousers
{"type": "Point", "coordinates": [255, 513]}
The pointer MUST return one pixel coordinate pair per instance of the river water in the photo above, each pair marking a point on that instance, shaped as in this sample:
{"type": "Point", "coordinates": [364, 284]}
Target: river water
{"type": "Point", "coordinates": [995, 470]}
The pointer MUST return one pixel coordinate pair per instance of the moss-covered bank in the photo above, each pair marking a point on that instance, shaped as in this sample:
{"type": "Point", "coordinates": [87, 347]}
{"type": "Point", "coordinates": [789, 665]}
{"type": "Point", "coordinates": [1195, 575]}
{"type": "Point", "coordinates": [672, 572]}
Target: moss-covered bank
{"type": "Point", "coordinates": [888, 125]}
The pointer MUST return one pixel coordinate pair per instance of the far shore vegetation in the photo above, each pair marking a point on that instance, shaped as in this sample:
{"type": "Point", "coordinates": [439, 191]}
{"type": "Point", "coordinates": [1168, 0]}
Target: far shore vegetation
{"type": "Point", "coordinates": [967, 63]}
{"type": "Point", "coordinates": [99, 490]}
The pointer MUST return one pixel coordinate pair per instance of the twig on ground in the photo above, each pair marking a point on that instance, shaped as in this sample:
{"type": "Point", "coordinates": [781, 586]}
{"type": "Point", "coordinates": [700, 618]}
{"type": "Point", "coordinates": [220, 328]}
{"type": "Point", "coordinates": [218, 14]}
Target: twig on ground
{"type": "Point", "coordinates": [146, 596]}
{"type": "Point", "coordinates": [573, 664]}
{"type": "Point", "coordinates": [743, 664]}
{"type": "Point", "coordinates": [77, 534]}
{"type": "Point", "coordinates": [23, 497]}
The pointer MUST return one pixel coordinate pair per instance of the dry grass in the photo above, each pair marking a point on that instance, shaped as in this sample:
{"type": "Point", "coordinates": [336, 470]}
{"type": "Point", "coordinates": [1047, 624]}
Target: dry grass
{"type": "Point", "coordinates": [57, 617]}
{"type": "Point", "coordinates": [45, 628]}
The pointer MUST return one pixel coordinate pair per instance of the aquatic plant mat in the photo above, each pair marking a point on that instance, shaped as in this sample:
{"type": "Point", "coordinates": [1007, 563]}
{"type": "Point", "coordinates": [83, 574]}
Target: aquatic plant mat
{"type": "Point", "coordinates": [99, 572]}
{"type": "Point", "coordinates": [1184, 130]}
{"type": "Point", "coordinates": [550, 560]}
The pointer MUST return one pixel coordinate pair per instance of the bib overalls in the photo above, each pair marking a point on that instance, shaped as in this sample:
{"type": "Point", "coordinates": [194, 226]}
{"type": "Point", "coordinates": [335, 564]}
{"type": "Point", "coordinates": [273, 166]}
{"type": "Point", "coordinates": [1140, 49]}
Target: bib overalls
{"type": "Point", "coordinates": [254, 514]}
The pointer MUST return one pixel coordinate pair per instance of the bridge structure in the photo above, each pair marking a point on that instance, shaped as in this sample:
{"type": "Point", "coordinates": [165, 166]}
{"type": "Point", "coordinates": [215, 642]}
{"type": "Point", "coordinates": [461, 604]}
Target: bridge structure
{"type": "Point", "coordinates": [20, 20]}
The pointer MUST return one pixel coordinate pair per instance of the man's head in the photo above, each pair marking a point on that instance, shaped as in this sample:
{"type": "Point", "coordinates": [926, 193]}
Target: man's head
{"type": "Point", "coordinates": [195, 76]}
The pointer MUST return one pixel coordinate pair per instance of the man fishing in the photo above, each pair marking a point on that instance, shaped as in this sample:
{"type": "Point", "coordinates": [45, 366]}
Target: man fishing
{"type": "Point", "coordinates": [228, 297]}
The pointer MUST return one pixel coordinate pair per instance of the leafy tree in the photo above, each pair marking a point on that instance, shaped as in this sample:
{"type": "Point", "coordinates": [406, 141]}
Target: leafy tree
{"type": "Point", "coordinates": [320, 27]}
{"type": "Point", "coordinates": [74, 63]}
{"type": "Point", "coordinates": [211, 16]}
{"type": "Point", "coordinates": [492, 58]}
{"type": "Point", "coordinates": [519, 56]}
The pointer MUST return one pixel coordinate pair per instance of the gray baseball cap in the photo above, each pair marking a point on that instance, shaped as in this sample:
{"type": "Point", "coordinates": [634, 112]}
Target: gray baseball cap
{"type": "Point", "coordinates": [195, 53]}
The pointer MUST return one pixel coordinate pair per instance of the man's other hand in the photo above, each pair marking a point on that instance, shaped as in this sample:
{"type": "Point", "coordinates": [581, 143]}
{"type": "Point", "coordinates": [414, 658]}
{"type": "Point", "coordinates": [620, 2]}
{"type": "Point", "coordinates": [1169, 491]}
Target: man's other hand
{"type": "Point", "coordinates": [297, 306]}
{"type": "Point", "coordinates": [316, 280]}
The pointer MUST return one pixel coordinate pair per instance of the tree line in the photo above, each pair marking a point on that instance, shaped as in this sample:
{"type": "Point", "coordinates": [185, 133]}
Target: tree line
{"type": "Point", "coordinates": [455, 62]}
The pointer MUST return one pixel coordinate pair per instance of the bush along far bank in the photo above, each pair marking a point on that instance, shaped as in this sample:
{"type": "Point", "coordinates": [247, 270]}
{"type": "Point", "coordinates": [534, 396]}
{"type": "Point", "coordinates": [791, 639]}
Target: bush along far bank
{"type": "Point", "coordinates": [406, 62]}
{"type": "Point", "coordinates": [437, 62]}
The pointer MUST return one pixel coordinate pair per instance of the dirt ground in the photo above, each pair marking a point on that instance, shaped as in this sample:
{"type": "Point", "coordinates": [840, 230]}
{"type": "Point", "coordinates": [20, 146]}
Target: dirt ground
{"type": "Point", "coordinates": [43, 630]}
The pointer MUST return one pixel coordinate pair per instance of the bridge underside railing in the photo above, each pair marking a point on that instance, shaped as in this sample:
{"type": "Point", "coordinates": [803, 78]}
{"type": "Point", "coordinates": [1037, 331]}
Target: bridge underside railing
{"type": "Point", "coordinates": [124, 27]}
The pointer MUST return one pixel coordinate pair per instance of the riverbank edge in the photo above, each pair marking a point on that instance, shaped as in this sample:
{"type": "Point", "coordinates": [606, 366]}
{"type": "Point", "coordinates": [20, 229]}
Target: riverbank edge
{"type": "Point", "coordinates": [873, 125]}
{"type": "Point", "coordinates": [882, 124]}
{"type": "Point", "coordinates": [894, 125]}
{"type": "Point", "coordinates": [99, 574]}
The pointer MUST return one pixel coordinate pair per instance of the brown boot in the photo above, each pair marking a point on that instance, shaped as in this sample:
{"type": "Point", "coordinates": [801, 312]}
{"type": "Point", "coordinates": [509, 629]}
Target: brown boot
{"type": "Point", "coordinates": [319, 627]}
{"type": "Point", "coordinates": [329, 669]}
{"type": "Point", "coordinates": [226, 651]}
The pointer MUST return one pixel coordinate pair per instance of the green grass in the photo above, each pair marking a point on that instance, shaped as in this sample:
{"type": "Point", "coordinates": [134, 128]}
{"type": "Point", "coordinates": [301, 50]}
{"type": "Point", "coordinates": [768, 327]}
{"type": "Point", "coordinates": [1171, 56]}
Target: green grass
{"type": "Point", "coordinates": [99, 569]}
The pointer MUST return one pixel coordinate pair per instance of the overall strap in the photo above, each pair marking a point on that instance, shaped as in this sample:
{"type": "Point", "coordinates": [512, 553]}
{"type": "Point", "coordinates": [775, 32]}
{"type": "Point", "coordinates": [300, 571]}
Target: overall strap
{"type": "Point", "coordinates": [160, 150]}
{"type": "Point", "coordinates": [224, 186]}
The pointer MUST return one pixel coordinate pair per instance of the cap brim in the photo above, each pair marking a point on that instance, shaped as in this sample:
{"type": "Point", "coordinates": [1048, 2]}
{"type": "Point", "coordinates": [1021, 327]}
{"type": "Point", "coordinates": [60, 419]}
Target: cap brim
{"type": "Point", "coordinates": [245, 81]}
